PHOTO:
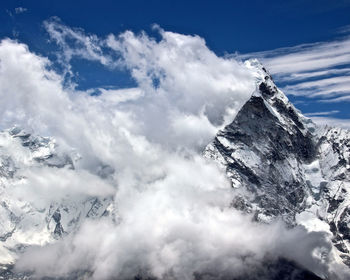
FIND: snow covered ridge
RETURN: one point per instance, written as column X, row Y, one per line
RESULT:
column 169, row 215
column 27, row 221
column 283, row 165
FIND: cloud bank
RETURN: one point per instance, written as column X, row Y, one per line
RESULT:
column 173, row 207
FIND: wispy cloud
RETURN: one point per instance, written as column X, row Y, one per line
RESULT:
column 74, row 43
column 306, row 57
column 345, row 98
column 327, row 113
column 333, row 122
column 344, row 29
column 315, row 74
column 323, row 88
column 318, row 70
column 20, row 10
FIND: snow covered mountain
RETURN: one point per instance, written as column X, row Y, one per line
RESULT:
column 24, row 222
column 282, row 165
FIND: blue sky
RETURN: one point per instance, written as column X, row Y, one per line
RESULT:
column 247, row 28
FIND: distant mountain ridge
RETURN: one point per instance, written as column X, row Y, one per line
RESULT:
column 23, row 223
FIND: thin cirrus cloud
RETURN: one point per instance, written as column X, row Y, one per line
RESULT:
column 20, row 10
column 327, row 113
column 345, row 29
column 318, row 70
column 330, row 121
column 326, row 118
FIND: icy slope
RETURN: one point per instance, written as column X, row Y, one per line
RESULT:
column 25, row 221
column 282, row 165
column 279, row 162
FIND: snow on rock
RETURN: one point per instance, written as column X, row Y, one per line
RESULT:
column 22, row 222
column 283, row 165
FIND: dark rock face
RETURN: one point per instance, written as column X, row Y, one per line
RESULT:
column 283, row 165
column 256, row 129
column 7, row 273
column 58, row 228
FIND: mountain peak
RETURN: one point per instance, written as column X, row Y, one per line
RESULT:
column 265, row 85
column 282, row 165
column 275, row 101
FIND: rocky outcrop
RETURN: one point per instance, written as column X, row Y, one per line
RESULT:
column 283, row 165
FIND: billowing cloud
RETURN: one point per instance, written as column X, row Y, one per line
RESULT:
column 180, row 78
column 173, row 207
column 219, row 244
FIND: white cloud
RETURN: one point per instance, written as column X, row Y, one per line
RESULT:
column 332, row 122
column 20, row 10
column 178, row 76
column 174, row 207
column 327, row 87
column 41, row 181
column 312, row 70
column 327, row 113
column 326, row 119
column 315, row 74
column 119, row 95
column 344, row 30
column 219, row 243
column 308, row 57
column 190, row 79
column 75, row 43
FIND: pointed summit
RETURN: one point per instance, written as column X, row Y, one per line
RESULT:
column 282, row 165
column 275, row 100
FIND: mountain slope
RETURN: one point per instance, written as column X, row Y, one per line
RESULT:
column 25, row 221
column 283, row 165
column 279, row 162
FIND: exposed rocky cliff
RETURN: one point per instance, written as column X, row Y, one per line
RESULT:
column 283, row 165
